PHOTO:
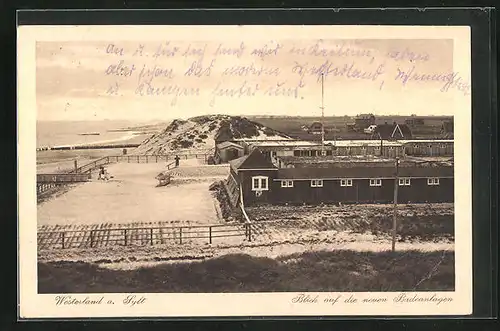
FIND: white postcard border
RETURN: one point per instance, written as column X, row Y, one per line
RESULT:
column 34, row 305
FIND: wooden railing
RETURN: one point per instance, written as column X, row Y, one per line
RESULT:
column 136, row 159
column 46, row 182
column 92, row 238
column 248, row 223
column 61, row 178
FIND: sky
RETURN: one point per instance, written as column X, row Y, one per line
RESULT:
column 165, row 79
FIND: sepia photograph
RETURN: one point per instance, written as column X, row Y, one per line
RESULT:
column 311, row 162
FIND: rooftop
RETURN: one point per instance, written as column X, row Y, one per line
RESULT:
column 338, row 143
column 356, row 171
column 226, row 144
column 362, row 160
column 352, row 143
column 333, row 159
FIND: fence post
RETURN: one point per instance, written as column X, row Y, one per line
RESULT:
column 91, row 238
column 138, row 161
column 156, row 158
column 62, row 239
column 210, row 234
column 180, row 235
column 125, row 237
column 128, row 159
column 151, row 235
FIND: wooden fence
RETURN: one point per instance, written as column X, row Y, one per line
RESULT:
column 92, row 238
column 46, row 183
column 136, row 159
column 61, row 178
column 49, row 182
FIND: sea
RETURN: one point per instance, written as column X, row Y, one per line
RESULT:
column 70, row 133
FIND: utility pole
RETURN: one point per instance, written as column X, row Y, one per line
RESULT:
column 395, row 211
column 322, row 116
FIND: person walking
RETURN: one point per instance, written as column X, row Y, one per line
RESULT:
column 101, row 173
column 177, row 159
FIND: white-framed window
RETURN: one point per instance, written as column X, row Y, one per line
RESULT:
column 404, row 181
column 375, row 182
column 432, row 181
column 259, row 183
column 346, row 182
column 287, row 183
column 317, row 183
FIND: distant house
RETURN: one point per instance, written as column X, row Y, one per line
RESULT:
column 227, row 151
column 414, row 121
column 262, row 182
column 363, row 121
column 447, row 129
column 392, row 131
column 315, row 128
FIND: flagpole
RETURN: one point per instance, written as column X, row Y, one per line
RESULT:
column 322, row 115
column 395, row 207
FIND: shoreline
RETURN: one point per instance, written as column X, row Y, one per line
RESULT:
column 131, row 137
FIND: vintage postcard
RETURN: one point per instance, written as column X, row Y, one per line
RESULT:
column 183, row 171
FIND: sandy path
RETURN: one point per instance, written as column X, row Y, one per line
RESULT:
column 117, row 257
column 132, row 196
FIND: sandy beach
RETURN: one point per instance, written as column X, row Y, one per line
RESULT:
column 132, row 196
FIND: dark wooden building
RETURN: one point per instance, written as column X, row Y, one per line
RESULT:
column 447, row 129
column 253, row 174
column 362, row 121
column 420, row 147
column 392, row 131
column 315, row 128
column 263, row 182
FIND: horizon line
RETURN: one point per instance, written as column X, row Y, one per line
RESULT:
column 241, row 115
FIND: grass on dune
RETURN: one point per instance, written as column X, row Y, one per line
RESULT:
column 342, row 270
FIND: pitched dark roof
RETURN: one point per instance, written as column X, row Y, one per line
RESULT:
column 447, row 127
column 236, row 163
column 363, row 172
column 392, row 131
column 315, row 126
column 254, row 160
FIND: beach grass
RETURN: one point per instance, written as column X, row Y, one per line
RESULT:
column 315, row 271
